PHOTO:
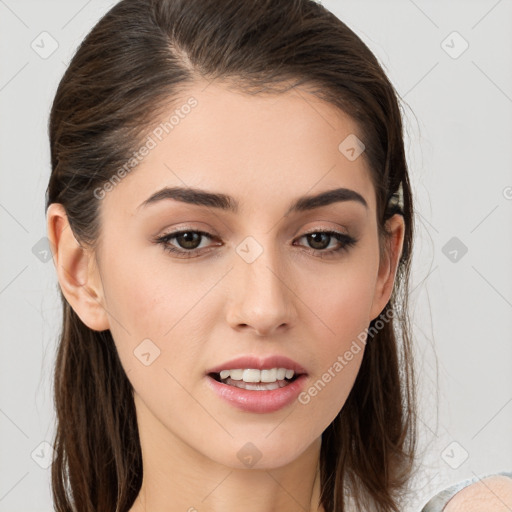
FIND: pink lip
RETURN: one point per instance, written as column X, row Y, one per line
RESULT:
column 259, row 401
column 256, row 363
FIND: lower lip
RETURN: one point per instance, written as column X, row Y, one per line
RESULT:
column 259, row 401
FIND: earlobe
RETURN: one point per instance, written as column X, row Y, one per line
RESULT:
column 78, row 275
column 388, row 264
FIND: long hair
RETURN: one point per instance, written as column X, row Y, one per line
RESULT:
column 130, row 67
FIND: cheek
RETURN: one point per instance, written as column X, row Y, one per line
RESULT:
column 154, row 330
column 154, row 309
column 147, row 296
column 341, row 309
column 342, row 300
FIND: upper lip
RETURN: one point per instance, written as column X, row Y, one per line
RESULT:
column 266, row 363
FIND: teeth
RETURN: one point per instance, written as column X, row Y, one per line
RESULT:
column 252, row 375
column 256, row 386
column 236, row 374
column 270, row 375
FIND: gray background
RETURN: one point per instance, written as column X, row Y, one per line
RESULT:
column 458, row 118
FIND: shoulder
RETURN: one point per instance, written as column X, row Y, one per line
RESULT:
column 491, row 493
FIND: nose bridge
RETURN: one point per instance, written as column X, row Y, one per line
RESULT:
column 261, row 297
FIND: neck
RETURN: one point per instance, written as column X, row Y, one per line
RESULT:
column 177, row 478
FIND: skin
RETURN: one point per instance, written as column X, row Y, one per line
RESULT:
column 265, row 151
column 492, row 493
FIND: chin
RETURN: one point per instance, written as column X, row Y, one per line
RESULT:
column 261, row 453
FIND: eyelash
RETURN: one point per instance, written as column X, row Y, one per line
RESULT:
column 346, row 241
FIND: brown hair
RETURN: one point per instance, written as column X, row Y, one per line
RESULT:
column 133, row 64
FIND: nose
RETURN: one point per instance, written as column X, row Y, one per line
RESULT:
column 261, row 296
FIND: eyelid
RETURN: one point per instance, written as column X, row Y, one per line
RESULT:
column 316, row 229
column 346, row 241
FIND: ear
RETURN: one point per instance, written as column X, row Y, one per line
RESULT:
column 388, row 265
column 77, row 271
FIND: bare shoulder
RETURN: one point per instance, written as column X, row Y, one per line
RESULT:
column 491, row 494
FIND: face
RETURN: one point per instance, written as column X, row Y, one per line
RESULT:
column 256, row 279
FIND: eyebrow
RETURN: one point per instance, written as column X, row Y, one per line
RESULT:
column 225, row 202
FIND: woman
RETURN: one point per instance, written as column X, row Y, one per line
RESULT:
column 234, row 277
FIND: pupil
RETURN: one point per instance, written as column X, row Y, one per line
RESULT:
column 186, row 243
column 315, row 237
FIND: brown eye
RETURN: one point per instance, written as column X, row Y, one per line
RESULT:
column 319, row 242
column 189, row 239
column 187, row 242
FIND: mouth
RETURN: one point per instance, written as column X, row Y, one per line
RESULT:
column 254, row 386
column 248, row 373
column 263, row 393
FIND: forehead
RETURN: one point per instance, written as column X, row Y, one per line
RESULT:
column 261, row 149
